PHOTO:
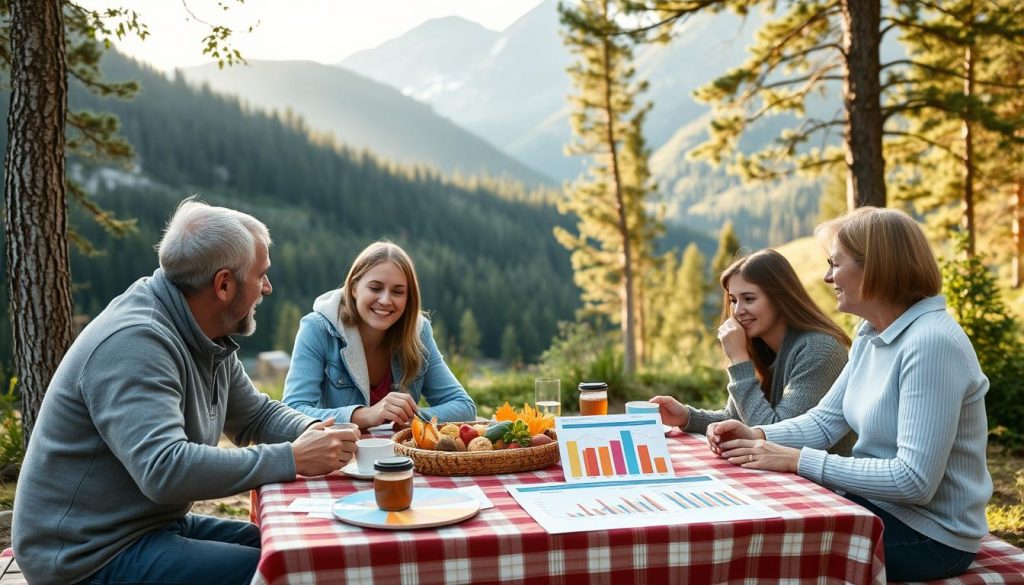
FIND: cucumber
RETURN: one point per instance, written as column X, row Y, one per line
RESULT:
column 498, row 431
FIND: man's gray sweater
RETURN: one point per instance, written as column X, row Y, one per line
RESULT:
column 126, row 437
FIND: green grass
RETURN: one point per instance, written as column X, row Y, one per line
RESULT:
column 7, row 494
column 1005, row 510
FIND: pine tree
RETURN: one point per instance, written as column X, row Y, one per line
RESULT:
column 691, row 329
column 956, row 142
column 47, row 41
column 469, row 336
column 728, row 248
column 614, row 229
column 814, row 44
column 510, row 352
column 975, row 301
column 286, row 326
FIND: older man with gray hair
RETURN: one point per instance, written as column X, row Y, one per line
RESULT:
column 126, row 438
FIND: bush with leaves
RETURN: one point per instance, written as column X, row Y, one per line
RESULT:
column 12, row 438
column 973, row 298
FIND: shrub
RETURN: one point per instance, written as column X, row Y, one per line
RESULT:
column 12, row 437
column 974, row 300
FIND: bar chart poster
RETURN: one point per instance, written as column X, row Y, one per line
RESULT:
column 583, row 507
column 614, row 447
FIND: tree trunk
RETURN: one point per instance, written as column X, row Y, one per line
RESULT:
column 1018, row 234
column 38, row 271
column 968, row 202
column 865, row 184
column 628, row 302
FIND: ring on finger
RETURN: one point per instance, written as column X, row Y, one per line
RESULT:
column 751, row 457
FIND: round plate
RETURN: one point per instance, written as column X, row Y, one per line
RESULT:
column 352, row 470
column 430, row 507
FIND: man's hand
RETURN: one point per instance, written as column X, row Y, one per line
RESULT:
column 396, row 407
column 673, row 412
column 320, row 450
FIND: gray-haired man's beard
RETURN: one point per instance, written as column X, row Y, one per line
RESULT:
column 243, row 326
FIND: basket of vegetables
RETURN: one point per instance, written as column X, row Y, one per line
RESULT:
column 517, row 440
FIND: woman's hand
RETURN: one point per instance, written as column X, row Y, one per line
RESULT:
column 734, row 341
column 760, row 454
column 673, row 412
column 728, row 430
column 396, row 407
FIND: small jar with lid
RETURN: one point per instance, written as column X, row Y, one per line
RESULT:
column 593, row 398
column 392, row 483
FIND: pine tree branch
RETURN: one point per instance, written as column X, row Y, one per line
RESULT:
column 927, row 141
column 798, row 95
column 812, row 77
column 946, row 72
column 912, row 25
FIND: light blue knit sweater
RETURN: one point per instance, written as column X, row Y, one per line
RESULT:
column 914, row 394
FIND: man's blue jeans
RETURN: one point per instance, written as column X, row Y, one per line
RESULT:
column 195, row 549
column 912, row 556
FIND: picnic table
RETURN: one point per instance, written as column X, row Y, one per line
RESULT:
column 818, row 536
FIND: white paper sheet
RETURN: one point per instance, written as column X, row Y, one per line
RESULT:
column 613, row 447
column 584, row 507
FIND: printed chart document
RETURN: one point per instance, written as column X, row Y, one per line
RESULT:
column 583, row 507
column 619, row 446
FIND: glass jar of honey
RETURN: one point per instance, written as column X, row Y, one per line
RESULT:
column 593, row 398
column 392, row 483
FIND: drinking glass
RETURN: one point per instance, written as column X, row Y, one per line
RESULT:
column 548, row 396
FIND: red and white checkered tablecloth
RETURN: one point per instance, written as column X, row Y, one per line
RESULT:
column 820, row 537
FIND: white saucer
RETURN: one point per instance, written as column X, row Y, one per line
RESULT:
column 352, row 470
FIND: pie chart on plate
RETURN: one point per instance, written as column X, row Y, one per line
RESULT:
column 430, row 507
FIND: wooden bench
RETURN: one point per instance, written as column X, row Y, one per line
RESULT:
column 10, row 574
column 997, row 563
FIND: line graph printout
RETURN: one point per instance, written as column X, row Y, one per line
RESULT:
column 584, row 507
column 602, row 448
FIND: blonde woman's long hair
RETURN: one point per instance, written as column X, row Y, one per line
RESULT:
column 775, row 276
column 402, row 338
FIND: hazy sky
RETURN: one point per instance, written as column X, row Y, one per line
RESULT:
column 318, row 30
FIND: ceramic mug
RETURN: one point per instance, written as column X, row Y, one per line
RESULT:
column 370, row 450
column 641, row 407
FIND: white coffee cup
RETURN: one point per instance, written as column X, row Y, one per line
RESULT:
column 370, row 450
column 641, row 407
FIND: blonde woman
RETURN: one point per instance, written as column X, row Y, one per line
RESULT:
column 913, row 392
column 367, row 355
column 784, row 353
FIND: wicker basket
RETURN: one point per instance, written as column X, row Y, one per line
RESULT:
column 477, row 462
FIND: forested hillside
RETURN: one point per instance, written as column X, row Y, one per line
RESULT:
column 487, row 249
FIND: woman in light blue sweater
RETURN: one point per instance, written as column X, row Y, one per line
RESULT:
column 912, row 391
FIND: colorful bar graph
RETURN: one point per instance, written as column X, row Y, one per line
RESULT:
column 616, row 458
column 704, row 499
column 646, row 505
column 596, row 450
